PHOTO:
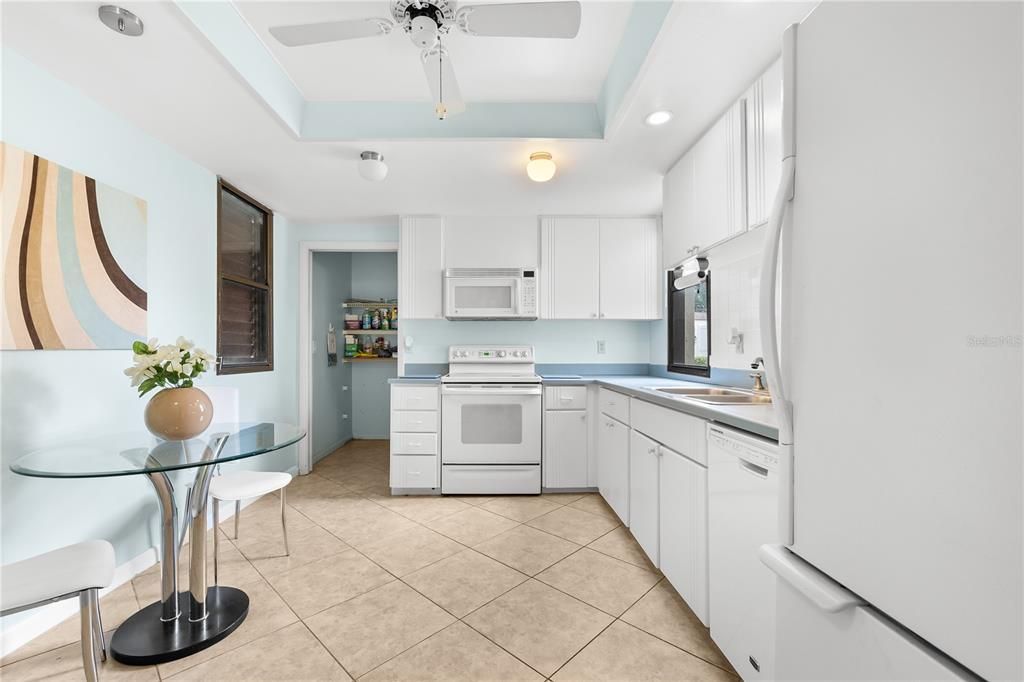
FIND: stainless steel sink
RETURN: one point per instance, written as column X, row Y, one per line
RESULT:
column 716, row 396
column 749, row 399
column 688, row 391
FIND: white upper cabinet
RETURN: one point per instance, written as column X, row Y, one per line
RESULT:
column 490, row 242
column 679, row 213
column 705, row 193
column 630, row 277
column 421, row 266
column 604, row 268
column 569, row 265
column 764, row 143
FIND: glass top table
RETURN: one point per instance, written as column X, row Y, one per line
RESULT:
column 162, row 632
column 129, row 454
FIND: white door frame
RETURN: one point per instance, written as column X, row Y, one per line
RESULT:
column 306, row 251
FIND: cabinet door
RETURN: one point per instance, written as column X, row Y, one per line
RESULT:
column 565, row 449
column 644, row 493
column 720, row 179
column 421, row 266
column 683, row 536
column 679, row 213
column 630, row 272
column 613, row 466
column 570, row 257
column 764, row 143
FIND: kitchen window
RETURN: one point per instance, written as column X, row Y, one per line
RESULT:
column 245, row 283
column 689, row 324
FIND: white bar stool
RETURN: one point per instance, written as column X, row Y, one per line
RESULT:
column 74, row 571
column 242, row 485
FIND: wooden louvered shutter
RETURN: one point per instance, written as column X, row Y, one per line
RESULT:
column 245, row 285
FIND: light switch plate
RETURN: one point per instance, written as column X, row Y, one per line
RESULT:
column 600, row 347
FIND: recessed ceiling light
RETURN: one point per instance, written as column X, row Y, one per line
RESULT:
column 657, row 118
column 540, row 167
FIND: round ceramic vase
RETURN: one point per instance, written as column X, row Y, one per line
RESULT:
column 179, row 413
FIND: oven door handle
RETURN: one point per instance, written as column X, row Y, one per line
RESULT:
column 483, row 390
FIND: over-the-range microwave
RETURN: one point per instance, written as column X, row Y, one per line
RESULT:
column 490, row 294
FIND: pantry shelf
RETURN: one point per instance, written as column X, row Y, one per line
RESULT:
column 367, row 305
column 371, row 332
column 350, row 360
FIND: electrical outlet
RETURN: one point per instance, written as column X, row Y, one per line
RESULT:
column 600, row 347
column 344, row 388
column 344, row 416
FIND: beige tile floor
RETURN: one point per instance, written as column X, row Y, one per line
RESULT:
column 421, row 588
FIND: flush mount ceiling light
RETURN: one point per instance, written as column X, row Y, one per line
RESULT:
column 658, row 118
column 541, row 168
column 120, row 20
column 372, row 166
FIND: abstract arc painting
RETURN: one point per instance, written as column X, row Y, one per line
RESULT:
column 74, row 258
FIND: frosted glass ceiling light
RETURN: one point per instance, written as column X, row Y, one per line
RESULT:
column 372, row 166
column 657, row 118
column 541, row 168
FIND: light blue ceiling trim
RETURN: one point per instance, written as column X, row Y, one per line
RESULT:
column 644, row 24
column 232, row 36
column 416, row 120
column 228, row 32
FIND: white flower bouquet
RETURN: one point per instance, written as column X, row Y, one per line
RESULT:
column 175, row 365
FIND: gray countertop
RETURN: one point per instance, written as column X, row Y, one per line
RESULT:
column 757, row 419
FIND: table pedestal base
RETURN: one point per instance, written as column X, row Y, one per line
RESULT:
column 144, row 639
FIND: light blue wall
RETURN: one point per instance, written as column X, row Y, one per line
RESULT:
column 51, row 396
column 555, row 341
column 331, row 284
column 374, row 276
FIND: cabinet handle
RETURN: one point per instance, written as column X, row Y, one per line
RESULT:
column 602, row 314
column 652, row 451
column 593, row 314
column 583, row 417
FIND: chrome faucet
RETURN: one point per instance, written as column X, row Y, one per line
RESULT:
column 757, row 376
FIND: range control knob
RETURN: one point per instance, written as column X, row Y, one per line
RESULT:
column 501, row 353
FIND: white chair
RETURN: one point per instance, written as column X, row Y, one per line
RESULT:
column 242, row 485
column 74, row 571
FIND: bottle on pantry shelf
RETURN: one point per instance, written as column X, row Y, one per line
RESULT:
column 385, row 318
column 375, row 320
column 367, row 320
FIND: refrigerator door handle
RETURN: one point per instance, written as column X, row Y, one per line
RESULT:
column 818, row 588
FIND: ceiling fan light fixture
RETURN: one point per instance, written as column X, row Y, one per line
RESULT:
column 658, row 118
column 372, row 166
column 541, row 168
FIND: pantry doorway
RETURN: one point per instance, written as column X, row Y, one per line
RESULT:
column 343, row 387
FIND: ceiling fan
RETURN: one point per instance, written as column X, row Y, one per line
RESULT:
column 428, row 21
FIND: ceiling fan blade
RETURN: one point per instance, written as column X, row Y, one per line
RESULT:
column 439, row 71
column 522, row 20
column 330, row 31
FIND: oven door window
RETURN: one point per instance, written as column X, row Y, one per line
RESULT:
column 497, row 424
column 689, row 326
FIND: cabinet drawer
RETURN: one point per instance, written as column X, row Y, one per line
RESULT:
column 614, row 404
column 418, row 471
column 675, row 430
column 565, row 398
column 418, row 421
column 413, row 444
column 414, row 397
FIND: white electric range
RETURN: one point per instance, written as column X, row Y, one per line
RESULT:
column 491, row 422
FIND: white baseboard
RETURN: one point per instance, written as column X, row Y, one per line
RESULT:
column 41, row 620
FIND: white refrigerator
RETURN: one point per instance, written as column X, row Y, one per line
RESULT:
column 899, row 385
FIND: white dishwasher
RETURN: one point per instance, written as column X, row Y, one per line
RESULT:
column 743, row 491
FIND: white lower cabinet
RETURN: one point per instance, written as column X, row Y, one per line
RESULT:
column 565, row 448
column 415, row 460
column 613, row 465
column 644, row 493
column 683, row 535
